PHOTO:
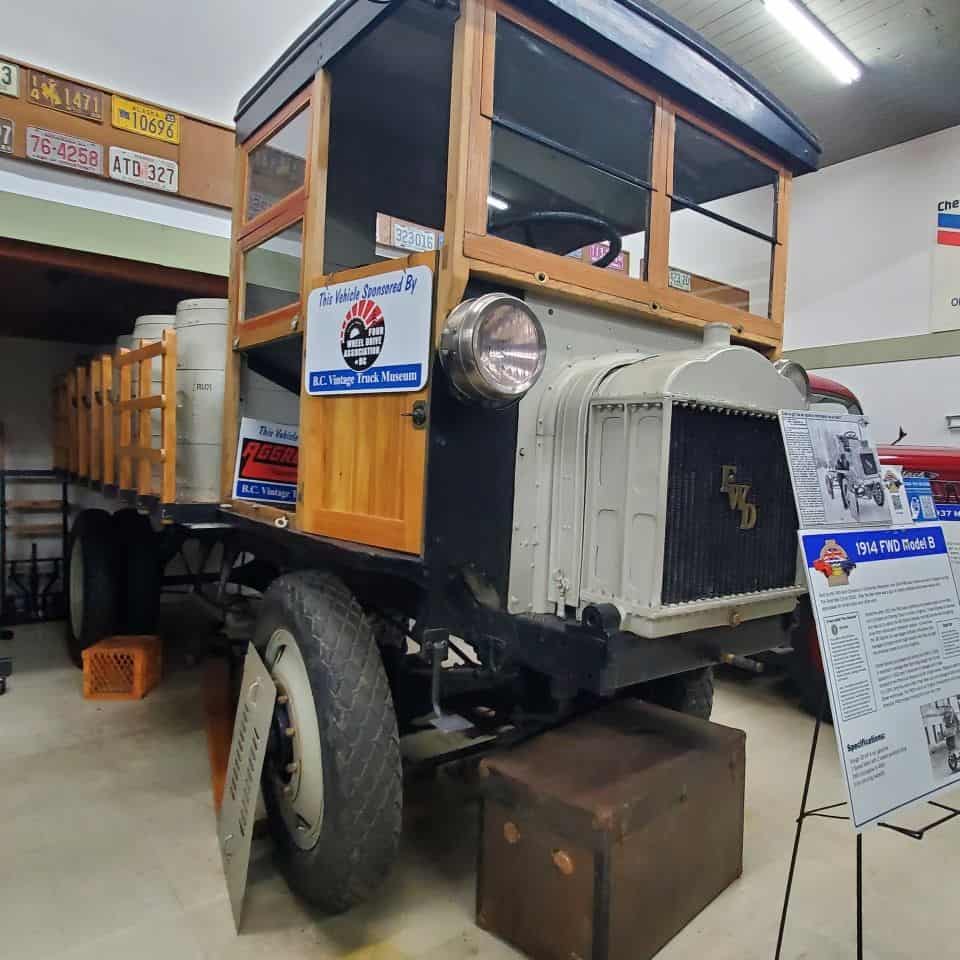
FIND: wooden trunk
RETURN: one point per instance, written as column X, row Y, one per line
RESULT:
column 602, row 839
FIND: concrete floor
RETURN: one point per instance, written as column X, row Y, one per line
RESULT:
column 108, row 845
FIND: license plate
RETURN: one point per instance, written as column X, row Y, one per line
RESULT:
column 148, row 121
column 48, row 146
column 409, row 236
column 6, row 135
column 66, row 96
column 9, row 79
column 679, row 280
column 144, row 170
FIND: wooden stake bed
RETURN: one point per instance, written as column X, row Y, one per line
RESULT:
column 103, row 433
column 604, row 838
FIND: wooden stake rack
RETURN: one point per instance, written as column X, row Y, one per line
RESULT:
column 103, row 432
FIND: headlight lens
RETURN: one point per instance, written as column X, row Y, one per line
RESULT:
column 795, row 373
column 493, row 349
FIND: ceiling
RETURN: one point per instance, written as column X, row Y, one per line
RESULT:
column 910, row 51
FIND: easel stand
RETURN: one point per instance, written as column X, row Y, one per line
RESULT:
column 827, row 815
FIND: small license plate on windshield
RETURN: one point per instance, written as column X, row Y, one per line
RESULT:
column 47, row 146
column 145, row 170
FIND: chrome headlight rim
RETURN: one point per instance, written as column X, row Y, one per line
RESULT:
column 460, row 351
column 797, row 375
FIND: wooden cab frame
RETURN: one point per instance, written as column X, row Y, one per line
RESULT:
column 329, row 458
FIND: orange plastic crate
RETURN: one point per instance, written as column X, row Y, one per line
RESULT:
column 122, row 668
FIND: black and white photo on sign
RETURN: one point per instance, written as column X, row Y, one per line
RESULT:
column 849, row 471
column 941, row 723
column 836, row 470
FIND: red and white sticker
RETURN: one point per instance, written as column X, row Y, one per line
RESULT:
column 47, row 146
column 145, row 170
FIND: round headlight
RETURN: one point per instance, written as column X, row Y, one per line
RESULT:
column 795, row 373
column 493, row 349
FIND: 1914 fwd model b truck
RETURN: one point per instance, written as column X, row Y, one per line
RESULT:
column 539, row 457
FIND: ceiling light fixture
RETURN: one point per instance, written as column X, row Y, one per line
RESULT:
column 496, row 202
column 818, row 40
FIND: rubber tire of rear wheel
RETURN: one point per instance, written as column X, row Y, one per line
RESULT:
column 362, row 779
column 806, row 675
column 140, row 573
column 690, row 693
column 95, row 530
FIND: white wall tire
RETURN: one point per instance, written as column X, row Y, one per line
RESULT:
column 336, row 815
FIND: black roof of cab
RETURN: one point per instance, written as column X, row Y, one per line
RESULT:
column 635, row 34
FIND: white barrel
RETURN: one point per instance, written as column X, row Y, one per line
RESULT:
column 201, row 327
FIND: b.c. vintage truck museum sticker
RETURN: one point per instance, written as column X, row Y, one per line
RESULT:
column 370, row 335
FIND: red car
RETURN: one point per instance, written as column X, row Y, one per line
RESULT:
column 941, row 465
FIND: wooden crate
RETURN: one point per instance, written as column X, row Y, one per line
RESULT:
column 604, row 838
column 122, row 668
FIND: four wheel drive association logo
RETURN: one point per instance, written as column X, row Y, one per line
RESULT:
column 361, row 335
column 834, row 564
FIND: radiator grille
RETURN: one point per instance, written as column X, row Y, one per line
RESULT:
column 706, row 553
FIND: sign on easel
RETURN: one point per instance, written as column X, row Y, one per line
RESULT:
column 887, row 610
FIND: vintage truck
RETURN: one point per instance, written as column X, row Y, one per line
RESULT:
column 518, row 272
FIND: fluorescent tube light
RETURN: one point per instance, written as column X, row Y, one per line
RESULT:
column 818, row 40
column 496, row 202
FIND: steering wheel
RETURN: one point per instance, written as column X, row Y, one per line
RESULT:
column 547, row 217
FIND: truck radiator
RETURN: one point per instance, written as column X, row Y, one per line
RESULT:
column 707, row 552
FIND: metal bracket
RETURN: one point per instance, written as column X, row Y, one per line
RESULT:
column 251, row 728
column 436, row 644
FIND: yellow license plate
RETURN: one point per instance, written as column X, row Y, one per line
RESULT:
column 146, row 120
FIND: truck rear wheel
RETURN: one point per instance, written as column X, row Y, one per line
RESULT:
column 91, row 582
column 690, row 692
column 332, row 777
column 138, row 549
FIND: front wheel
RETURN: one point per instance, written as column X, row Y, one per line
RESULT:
column 332, row 775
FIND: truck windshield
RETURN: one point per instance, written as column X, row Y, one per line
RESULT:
column 571, row 155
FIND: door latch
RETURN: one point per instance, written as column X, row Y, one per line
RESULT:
column 418, row 415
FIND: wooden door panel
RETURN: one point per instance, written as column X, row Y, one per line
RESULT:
column 362, row 462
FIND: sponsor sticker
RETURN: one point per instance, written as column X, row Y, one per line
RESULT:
column 370, row 335
column 267, row 459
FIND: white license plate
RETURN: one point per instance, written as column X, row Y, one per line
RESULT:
column 6, row 135
column 409, row 237
column 9, row 79
column 144, row 170
column 64, row 151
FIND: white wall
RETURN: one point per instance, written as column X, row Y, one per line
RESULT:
column 915, row 394
column 196, row 57
column 861, row 243
column 27, row 369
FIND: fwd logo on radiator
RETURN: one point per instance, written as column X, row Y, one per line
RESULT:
column 737, row 494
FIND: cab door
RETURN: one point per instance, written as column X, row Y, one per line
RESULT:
column 363, row 454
